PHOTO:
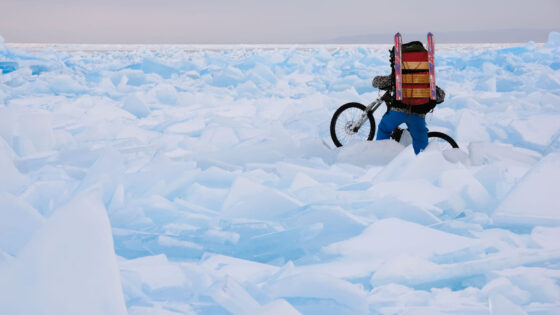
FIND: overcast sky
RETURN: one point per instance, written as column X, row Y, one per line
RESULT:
column 264, row 21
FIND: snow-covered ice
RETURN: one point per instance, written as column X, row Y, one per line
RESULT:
column 165, row 180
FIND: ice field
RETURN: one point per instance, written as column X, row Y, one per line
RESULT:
column 204, row 181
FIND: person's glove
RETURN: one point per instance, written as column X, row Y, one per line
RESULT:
column 382, row 82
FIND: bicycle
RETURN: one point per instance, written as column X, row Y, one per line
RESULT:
column 355, row 121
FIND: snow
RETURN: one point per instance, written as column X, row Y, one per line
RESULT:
column 203, row 180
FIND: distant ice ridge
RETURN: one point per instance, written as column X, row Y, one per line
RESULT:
column 165, row 181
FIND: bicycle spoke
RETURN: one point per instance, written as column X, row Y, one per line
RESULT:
column 343, row 121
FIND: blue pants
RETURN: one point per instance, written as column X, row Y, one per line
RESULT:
column 416, row 126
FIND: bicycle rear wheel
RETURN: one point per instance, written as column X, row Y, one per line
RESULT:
column 444, row 141
column 342, row 121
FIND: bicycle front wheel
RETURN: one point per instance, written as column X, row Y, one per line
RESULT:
column 342, row 132
column 444, row 141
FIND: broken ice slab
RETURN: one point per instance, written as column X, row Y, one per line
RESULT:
column 19, row 221
column 399, row 237
column 8, row 66
column 248, row 199
column 534, row 200
column 318, row 293
column 415, row 271
column 240, row 269
column 71, row 256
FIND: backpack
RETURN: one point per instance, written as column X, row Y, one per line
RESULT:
column 415, row 79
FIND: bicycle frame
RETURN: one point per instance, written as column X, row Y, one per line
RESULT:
column 350, row 124
column 372, row 107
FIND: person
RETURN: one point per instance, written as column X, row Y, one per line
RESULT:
column 411, row 111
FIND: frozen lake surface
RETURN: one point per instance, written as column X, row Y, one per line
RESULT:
column 176, row 179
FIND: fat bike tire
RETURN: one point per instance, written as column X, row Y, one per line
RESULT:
column 442, row 136
column 344, row 117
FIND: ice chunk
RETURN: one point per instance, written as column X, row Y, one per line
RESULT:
column 222, row 237
column 262, row 73
column 501, row 305
column 7, row 125
column 486, row 84
column 167, row 94
column 548, row 82
column 392, row 206
column 349, row 298
column 366, row 153
column 216, row 177
column 471, row 127
column 69, row 267
column 136, row 107
column 288, row 171
column 230, row 76
column 190, row 127
column 248, row 199
column 279, row 245
column 211, row 198
column 34, row 133
column 336, row 224
column 484, row 152
column 546, row 236
column 415, row 270
column 539, row 282
column 405, row 269
column 155, row 281
column 65, row 84
column 128, row 77
column 18, row 222
column 107, row 172
column 502, row 286
column 221, row 137
column 538, row 130
column 63, row 139
column 393, row 297
column 11, row 180
column 173, row 242
column 153, row 66
column 239, row 269
column 7, row 66
column 38, row 69
column 533, row 201
column 464, row 183
column 399, row 237
column 414, row 200
column 428, row 165
column 233, row 297
column 155, row 272
column 46, row 195
column 301, row 180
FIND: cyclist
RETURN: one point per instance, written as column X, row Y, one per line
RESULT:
column 412, row 112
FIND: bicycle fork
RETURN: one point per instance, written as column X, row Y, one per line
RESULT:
column 372, row 107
